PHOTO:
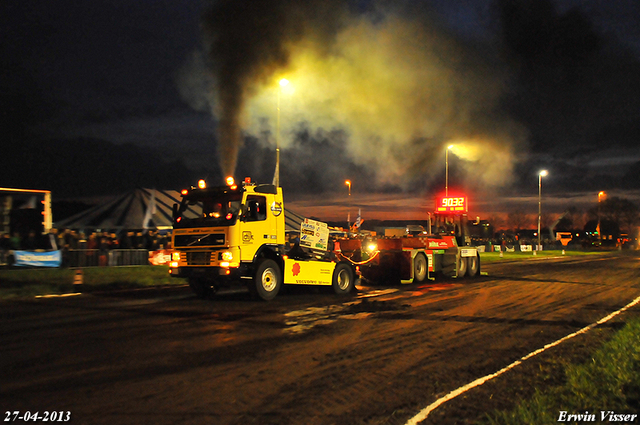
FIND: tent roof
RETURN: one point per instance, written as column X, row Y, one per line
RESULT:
column 126, row 211
column 129, row 211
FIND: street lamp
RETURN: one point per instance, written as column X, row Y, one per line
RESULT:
column 601, row 195
column 348, row 183
column 276, row 178
column 541, row 174
column 446, row 170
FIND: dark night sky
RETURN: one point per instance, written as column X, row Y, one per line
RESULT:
column 97, row 76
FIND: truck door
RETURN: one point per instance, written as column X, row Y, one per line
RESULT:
column 256, row 229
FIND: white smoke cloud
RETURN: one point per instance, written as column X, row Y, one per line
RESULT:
column 401, row 91
column 401, row 88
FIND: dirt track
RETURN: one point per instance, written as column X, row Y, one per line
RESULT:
column 308, row 357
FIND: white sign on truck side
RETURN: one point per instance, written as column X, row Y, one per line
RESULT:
column 314, row 234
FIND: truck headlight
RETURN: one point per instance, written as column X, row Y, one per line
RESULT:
column 175, row 256
column 372, row 247
column 227, row 256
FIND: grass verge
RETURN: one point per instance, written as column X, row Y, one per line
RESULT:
column 16, row 283
column 609, row 381
column 495, row 256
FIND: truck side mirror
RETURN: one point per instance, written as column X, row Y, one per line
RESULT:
column 242, row 213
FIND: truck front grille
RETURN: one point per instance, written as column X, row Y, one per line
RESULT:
column 211, row 239
column 198, row 258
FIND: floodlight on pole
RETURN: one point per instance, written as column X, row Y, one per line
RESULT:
column 541, row 174
column 348, row 183
column 446, row 170
column 601, row 195
column 276, row 178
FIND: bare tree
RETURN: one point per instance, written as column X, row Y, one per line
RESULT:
column 518, row 220
column 497, row 222
column 621, row 211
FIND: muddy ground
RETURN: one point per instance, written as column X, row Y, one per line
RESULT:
column 308, row 357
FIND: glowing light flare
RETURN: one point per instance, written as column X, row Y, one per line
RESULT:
column 230, row 181
column 544, row 173
column 285, row 86
column 202, row 184
column 467, row 150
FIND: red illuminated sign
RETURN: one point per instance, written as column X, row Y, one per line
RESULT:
column 451, row 204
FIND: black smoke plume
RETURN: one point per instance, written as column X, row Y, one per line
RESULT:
column 249, row 42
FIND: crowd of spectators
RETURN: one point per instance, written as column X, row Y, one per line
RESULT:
column 150, row 240
column 94, row 244
column 67, row 239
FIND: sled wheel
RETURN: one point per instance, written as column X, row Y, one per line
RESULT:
column 474, row 266
column 420, row 268
column 462, row 267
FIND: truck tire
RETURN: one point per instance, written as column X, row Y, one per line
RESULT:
column 462, row 267
column 474, row 265
column 420, row 268
column 267, row 280
column 201, row 287
column 343, row 280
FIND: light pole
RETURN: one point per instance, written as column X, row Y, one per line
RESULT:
column 348, row 183
column 601, row 195
column 541, row 174
column 446, row 170
column 276, row 178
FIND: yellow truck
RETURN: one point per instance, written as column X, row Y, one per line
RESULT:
column 236, row 234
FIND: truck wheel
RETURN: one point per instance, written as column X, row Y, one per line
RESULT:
column 343, row 280
column 462, row 266
column 474, row 265
column 267, row 280
column 420, row 268
column 201, row 287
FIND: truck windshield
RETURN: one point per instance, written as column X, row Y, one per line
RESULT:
column 206, row 209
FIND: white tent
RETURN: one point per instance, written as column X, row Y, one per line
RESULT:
column 139, row 209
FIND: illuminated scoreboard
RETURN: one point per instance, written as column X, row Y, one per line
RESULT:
column 451, row 204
